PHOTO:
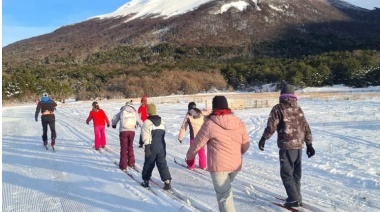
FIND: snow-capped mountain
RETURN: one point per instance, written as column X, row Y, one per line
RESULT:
column 226, row 23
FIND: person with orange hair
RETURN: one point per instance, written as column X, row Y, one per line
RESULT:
column 143, row 113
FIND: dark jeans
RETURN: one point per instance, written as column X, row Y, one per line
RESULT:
column 48, row 120
column 127, row 156
column 291, row 172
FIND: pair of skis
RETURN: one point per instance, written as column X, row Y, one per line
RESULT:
column 47, row 147
column 182, row 163
column 174, row 193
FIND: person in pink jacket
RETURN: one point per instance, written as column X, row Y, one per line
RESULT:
column 227, row 140
column 194, row 120
column 100, row 119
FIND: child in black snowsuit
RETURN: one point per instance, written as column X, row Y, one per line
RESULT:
column 153, row 136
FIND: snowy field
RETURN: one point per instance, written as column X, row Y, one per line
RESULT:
column 344, row 175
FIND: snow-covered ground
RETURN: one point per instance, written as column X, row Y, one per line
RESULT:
column 344, row 175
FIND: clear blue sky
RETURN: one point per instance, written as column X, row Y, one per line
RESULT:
column 29, row 18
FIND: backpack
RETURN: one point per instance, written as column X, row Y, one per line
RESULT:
column 128, row 119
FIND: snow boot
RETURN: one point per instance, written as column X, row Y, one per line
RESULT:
column 292, row 204
column 167, row 185
column 145, row 184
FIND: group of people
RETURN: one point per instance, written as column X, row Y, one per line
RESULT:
column 225, row 136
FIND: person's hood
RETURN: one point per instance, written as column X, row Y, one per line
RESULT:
column 155, row 119
column 228, row 122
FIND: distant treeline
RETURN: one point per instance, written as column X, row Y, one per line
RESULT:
column 163, row 70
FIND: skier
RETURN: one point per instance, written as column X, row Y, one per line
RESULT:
column 288, row 119
column 128, row 118
column 99, row 118
column 153, row 135
column 46, row 106
column 142, row 110
column 194, row 119
column 227, row 140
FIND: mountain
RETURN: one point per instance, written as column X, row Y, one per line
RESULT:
column 223, row 23
column 163, row 47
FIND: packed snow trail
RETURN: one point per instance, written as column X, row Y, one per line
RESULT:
column 342, row 176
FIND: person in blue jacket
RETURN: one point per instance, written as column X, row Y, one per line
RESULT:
column 47, row 107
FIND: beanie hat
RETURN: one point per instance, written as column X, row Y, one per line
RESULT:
column 45, row 94
column 219, row 102
column 129, row 102
column 191, row 105
column 152, row 109
column 143, row 99
column 287, row 89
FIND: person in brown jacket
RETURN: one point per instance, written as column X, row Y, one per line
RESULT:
column 194, row 120
column 227, row 140
column 288, row 119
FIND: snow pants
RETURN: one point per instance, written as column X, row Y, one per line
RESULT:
column 48, row 120
column 223, row 187
column 291, row 171
column 201, row 157
column 156, row 158
column 100, row 136
column 127, row 156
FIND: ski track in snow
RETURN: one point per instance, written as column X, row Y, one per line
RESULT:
column 342, row 176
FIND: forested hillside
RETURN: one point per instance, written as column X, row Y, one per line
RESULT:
column 307, row 43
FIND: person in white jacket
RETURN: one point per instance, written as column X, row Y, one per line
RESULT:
column 129, row 119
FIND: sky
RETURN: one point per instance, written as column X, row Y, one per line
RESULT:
column 343, row 175
column 37, row 17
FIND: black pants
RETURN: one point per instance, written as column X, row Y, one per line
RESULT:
column 291, row 172
column 150, row 162
column 48, row 120
column 141, row 143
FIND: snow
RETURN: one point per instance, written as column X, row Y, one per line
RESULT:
column 344, row 175
column 145, row 8
column 170, row 8
column 240, row 5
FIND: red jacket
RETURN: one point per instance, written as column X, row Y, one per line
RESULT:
column 143, row 111
column 99, row 118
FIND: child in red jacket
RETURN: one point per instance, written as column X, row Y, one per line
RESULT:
column 100, row 119
column 143, row 113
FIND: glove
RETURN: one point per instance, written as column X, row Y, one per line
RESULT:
column 190, row 163
column 310, row 150
column 108, row 125
column 262, row 143
column 147, row 151
column 114, row 126
column 36, row 119
column 180, row 141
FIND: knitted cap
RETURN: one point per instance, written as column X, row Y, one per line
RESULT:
column 144, row 99
column 219, row 102
column 45, row 94
column 191, row 105
column 287, row 89
column 129, row 102
column 152, row 109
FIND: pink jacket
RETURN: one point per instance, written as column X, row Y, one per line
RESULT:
column 227, row 140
